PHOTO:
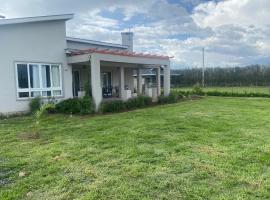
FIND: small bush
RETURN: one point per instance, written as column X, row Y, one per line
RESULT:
column 132, row 103
column 112, row 106
column 183, row 93
column 68, row 106
column 172, row 98
column 75, row 106
column 35, row 104
column 86, row 105
column 197, row 90
column 144, row 101
column 138, row 102
column 50, row 108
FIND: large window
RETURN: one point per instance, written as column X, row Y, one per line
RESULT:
column 38, row 80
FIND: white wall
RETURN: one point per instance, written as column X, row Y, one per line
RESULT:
column 30, row 42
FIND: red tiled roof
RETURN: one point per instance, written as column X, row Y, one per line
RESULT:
column 116, row 52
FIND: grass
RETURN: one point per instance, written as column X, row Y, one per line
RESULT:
column 214, row 148
column 264, row 90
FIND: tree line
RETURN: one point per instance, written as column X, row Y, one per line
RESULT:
column 252, row 75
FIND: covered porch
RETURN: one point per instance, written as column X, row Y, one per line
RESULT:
column 110, row 75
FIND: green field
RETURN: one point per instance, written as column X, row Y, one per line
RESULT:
column 264, row 90
column 213, row 148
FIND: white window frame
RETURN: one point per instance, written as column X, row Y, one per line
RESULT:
column 41, row 88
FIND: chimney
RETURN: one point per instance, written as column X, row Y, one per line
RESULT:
column 127, row 40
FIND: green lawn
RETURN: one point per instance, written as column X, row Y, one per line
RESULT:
column 214, row 148
column 264, row 90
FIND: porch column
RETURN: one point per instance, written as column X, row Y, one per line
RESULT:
column 95, row 81
column 167, row 80
column 158, row 81
column 122, row 82
column 139, row 81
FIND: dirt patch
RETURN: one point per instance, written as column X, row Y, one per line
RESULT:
column 29, row 136
column 195, row 97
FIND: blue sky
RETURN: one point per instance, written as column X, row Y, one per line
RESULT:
column 233, row 32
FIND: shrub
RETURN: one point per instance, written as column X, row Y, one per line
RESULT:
column 35, row 104
column 75, row 106
column 233, row 94
column 112, row 106
column 172, row 98
column 144, row 101
column 86, row 105
column 132, row 103
column 138, row 102
column 68, row 106
column 183, row 93
column 50, row 108
column 197, row 90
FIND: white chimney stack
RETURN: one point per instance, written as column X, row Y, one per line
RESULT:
column 127, row 40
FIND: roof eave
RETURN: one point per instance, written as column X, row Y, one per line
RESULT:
column 64, row 17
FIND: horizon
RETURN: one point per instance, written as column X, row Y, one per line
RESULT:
column 233, row 33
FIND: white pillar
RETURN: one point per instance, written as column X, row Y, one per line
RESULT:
column 95, row 82
column 122, row 81
column 167, row 80
column 139, row 81
column 158, row 81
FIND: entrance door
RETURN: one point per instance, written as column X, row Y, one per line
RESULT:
column 76, row 83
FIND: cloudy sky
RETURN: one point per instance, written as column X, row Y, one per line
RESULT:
column 233, row 32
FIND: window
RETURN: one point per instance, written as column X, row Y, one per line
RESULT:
column 38, row 80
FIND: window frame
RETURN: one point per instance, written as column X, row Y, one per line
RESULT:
column 41, row 89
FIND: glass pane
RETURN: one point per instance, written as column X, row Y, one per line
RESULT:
column 57, row 93
column 23, row 94
column 46, row 93
column 22, row 76
column 55, row 76
column 46, row 78
column 109, row 79
column 35, row 94
column 34, row 76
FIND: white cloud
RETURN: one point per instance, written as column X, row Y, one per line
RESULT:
column 238, row 12
column 233, row 31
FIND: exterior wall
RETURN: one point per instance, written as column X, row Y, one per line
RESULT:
column 43, row 42
column 80, row 45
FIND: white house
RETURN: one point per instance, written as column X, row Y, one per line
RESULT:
column 38, row 59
